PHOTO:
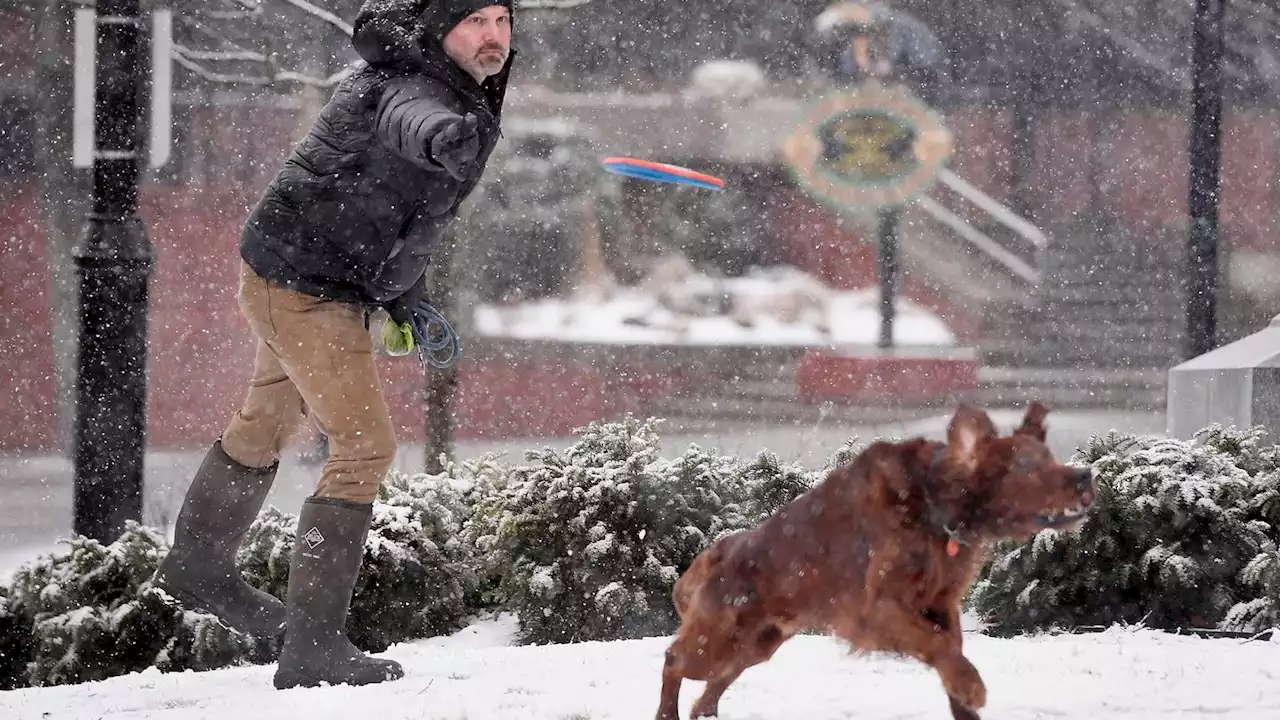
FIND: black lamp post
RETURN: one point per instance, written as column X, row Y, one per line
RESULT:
column 113, row 264
column 1206, row 180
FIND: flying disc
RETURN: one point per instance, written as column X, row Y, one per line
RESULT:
column 661, row 172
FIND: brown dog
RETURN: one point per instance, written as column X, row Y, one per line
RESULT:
column 879, row 554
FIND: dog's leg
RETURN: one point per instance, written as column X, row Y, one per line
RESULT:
column 672, row 677
column 763, row 644
column 708, row 704
column 695, row 654
column 960, row 712
column 937, row 645
column 965, row 688
column 963, row 684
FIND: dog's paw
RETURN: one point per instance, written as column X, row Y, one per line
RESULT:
column 704, row 710
column 960, row 712
column 964, row 684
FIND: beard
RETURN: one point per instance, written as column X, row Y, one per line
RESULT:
column 491, row 55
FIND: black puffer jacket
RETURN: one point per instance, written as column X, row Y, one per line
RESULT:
column 359, row 206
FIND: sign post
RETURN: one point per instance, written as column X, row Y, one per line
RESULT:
column 873, row 148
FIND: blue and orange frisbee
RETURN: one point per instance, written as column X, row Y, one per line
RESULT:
column 661, row 172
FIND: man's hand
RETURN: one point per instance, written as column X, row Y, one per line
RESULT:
column 456, row 146
column 419, row 319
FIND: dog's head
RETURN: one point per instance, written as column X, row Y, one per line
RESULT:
column 1012, row 487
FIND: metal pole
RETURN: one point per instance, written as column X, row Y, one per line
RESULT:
column 441, row 384
column 113, row 263
column 887, row 262
column 1206, row 180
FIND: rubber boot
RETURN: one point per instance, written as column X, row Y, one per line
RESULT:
column 200, row 570
column 327, row 555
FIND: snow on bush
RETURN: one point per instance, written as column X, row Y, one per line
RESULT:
column 16, row 642
column 89, row 613
column 1182, row 534
column 585, row 544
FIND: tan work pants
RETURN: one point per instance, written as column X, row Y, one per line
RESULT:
column 314, row 357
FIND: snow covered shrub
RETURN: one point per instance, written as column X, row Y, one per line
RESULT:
column 90, row 613
column 1182, row 533
column 770, row 484
column 1262, row 577
column 417, row 578
column 16, row 642
column 585, row 544
column 846, row 454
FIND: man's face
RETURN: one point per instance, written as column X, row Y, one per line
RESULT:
column 481, row 42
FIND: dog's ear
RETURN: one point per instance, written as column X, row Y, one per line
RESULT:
column 1033, row 421
column 967, row 436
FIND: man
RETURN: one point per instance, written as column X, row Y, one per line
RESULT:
column 347, row 226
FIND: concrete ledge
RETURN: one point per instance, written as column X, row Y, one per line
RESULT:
column 902, row 376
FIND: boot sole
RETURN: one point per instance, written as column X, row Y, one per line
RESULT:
column 288, row 679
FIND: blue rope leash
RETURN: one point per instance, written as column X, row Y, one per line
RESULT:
column 449, row 339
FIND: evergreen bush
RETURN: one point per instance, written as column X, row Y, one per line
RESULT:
column 1182, row 534
column 89, row 613
column 585, row 544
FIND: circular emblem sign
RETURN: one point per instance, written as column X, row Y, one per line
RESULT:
column 871, row 148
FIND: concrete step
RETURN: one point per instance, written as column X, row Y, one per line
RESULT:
column 1073, row 331
column 1121, row 285
column 1084, row 353
column 1126, row 257
column 1155, row 333
column 1077, row 355
column 1118, row 295
column 1104, row 272
column 1079, row 377
column 1136, row 259
column 1068, row 397
column 1115, row 243
column 1080, row 388
column 1143, row 313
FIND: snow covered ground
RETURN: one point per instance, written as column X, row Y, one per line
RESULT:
column 477, row 675
column 774, row 306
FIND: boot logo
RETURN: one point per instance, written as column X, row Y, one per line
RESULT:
column 313, row 538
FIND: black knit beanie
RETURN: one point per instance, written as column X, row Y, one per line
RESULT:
column 440, row 16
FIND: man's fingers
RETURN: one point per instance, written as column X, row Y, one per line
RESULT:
column 457, row 171
column 461, row 130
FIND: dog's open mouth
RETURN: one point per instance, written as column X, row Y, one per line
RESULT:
column 1064, row 516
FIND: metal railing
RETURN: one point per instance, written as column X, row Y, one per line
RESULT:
column 1026, row 265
